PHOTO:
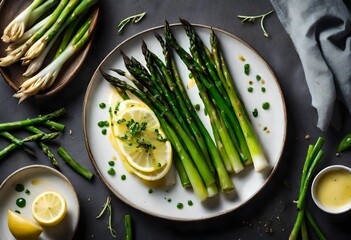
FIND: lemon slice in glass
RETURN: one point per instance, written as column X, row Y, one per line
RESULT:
column 141, row 141
column 49, row 208
column 23, row 228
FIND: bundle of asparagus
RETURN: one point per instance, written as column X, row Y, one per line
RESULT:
column 31, row 40
column 200, row 160
column 41, row 138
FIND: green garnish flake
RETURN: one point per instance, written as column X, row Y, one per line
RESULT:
column 197, row 107
column 102, row 105
column 111, row 163
column 19, row 187
column 103, row 124
column 263, row 89
column 111, row 172
column 169, row 199
column 190, row 75
column 132, row 19
column 17, row 211
column 255, row 112
column 180, row 205
column 161, row 138
column 125, row 137
column 150, row 191
column 265, row 105
column 258, row 77
column 104, row 131
column 123, row 177
column 250, row 89
column 190, row 203
column 21, row 202
column 27, row 192
column 247, row 69
column 159, row 165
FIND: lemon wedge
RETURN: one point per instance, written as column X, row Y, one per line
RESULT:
column 142, row 142
column 49, row 208
column 23, row 228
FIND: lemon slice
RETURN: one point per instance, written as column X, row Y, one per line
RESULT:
column 150, row 176
column 141, row 140
column 130, row 103
column 49, row 208
column 23, row 228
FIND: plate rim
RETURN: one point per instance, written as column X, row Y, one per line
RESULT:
column 122, row 198
column 54, row 171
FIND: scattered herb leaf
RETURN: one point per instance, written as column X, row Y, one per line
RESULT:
column 107, row 206
column 132, row 19
column 253, row 18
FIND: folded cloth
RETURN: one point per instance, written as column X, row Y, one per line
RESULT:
column 321, row 33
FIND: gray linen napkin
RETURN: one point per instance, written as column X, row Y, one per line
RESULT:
column 321, row 33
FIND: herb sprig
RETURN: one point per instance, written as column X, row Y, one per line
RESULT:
column 107, row 206
column 253, row 18
column 132, row 19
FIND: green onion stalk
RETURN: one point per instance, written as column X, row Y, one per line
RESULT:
column 54, row 30
column 17, row 53
column 64, row 14
column 17, row 26
column 27, row 35
column 69, row 14
column 46, row 77
column 176, row 135
column 41, row 10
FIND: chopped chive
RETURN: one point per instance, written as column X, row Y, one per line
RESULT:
column 197, row 107
column 247, row 69
column 102, row 105
column 255, row 112
column 250, row 89
column 111, row 171
column 265, row 105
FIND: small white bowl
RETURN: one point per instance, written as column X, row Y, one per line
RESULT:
column 37, row 179
column 314, row 186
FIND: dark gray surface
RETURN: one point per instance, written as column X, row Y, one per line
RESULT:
column 271, row 208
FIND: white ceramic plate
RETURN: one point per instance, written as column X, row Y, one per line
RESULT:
column 37, row 179
column 247, row 183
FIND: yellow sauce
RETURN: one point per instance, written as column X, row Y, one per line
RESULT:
column 334, row 189
column 191, row 83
